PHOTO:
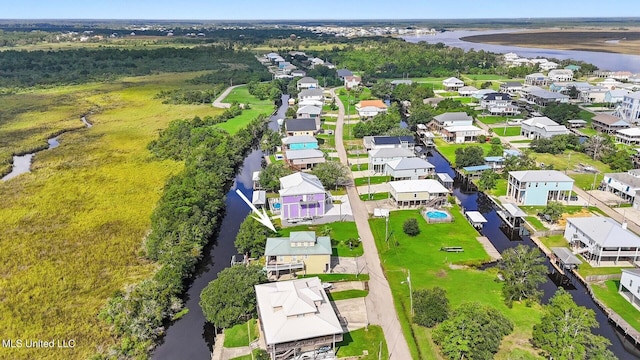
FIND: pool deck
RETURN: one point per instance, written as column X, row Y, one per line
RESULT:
column 489, row 248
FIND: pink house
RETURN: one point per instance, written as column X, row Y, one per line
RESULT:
column 302, row 195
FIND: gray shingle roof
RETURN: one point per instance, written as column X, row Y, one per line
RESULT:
column 300, row 125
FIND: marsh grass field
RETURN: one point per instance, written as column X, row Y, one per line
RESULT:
column 73, row 228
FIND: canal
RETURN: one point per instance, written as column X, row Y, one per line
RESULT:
column 191, row 336
column 474, row 200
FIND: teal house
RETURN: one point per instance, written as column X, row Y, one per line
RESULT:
column 302, row 142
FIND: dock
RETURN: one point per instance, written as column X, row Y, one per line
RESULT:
column 475, row 218
column 489, row 248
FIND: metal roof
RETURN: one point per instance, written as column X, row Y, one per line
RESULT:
column 410, row 164
column 605, row 231
column 476, row 217
column 566, row 256
column 426, row 185
column 476, row 168
column 540, row 175
column 300, row 125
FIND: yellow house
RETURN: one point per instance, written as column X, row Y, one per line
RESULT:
column 417, row 192
column 302, row 251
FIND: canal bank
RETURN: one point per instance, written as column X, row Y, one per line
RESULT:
column 191, row 337
column 471, row 199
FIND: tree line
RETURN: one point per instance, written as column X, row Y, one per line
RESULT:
column 185, row 219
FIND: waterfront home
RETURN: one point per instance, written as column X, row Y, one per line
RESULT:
column 549, row 65
column 541, row 127
column 452, row 84
column 378, row 158
column 409, row 169
column 629, row 136
column 447, row 119
column 461, row 134
column 494, row 162
column 301, row 250
column 304, row 159
column 609, row 124
column 537, row 187
column 301, row 142
column 296, row 316
column 624, row 184
column 629, row 286
column 610, row 83
column 307, row 83
column 615, row 96
column 314, row 96
column 310, row 112
column 351, row 82
column 381, row 142
column 510, row 87
column 601, row 239
column 370, row 108
column 499, row 104
column 467, row 91
column 412, row 193
column 302, row 195
column 560, row 75
column 536, row 79
column 301, row 127
column 629, row 108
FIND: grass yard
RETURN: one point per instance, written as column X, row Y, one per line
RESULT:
column 374, row 196
column 607, row 292
column 430, row 267
column 536, row 223
column 340, row 231
column 347, row 294
column 507, row 131
column 449, row 150
column 241, row 334
column 492, row 119
column 257, row 107
column 588, row 131
column 350, row 102
column 373, row 179
column 500, row 189
column 85, row 207
column 248, row 357
column 520, row 141
column 570, row 160
column 370, row 339
column 586, row 115
column 359, row 167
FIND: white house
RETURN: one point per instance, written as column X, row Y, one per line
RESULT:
column 467, row 91
column 452, row 84
column 630, row 286
column 380, row 142
column 442, row 121
column 313, row 96
column 549, row 65
column 629, row 136
column 542, row 127
column 409, row 169
column 623, row 184
column 427, row 192
column 536, row 79
column 379, row 158
column 510, row 87
column 352, row 81
column 370, row 108
column 307, row 83
column 615, row 96
column 560, row 75
column 296, row 315
column 461, row 134
column 309, row 111
column 629, row 109
column 601, row 239
column 499, row 104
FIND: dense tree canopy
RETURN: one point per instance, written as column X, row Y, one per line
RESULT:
column 561, row 112
column 332, row 174
column 378, row 125
column 270, row 176
column 564, row 331
column 473, row 331
column 431, row 306
column 469, row 156
column 230, row 298
column 252, row 237
column 524, row 271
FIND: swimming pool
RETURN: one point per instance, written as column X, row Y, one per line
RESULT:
column 437, row 214
column 276, row 206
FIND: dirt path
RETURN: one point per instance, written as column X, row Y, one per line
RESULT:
column 379, row 302
column 218, row 101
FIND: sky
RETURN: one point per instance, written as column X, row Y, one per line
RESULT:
column 308, row 10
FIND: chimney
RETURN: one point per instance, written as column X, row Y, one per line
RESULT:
column 624, row 225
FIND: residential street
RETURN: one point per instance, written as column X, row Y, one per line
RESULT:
column 379, row 302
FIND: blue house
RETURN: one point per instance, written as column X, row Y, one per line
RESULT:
column 302, row 142
column 537, row 187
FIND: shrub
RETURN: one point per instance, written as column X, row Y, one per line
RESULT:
column 410, row 227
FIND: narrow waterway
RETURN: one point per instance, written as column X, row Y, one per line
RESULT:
column 191, row 336
column 473, row 200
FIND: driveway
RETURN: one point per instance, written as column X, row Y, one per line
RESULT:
column 348, row 265
column 354, row 311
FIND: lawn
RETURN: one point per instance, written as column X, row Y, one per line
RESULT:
column 586, row 115
column 347, row 294
column 520, row 141
column 359, row 167
column 241, row 334
column 374, row 196
column 588, row 131
column 370, row 339
column 73, row 228
column 349, row 101
column 570, row 160
column 340, row 231
column 449, row 150
column 507, row 131
column 500, row 189
column 535, row 223
column 371, row 180
column 492, row 119
column 430, row 267
column 607, row 292
column 257, row 107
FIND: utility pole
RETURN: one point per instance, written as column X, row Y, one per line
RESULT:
column 410, row 289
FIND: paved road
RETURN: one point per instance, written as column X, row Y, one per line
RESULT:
column 379, row 302
column 218, row 101
column 607, row 210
